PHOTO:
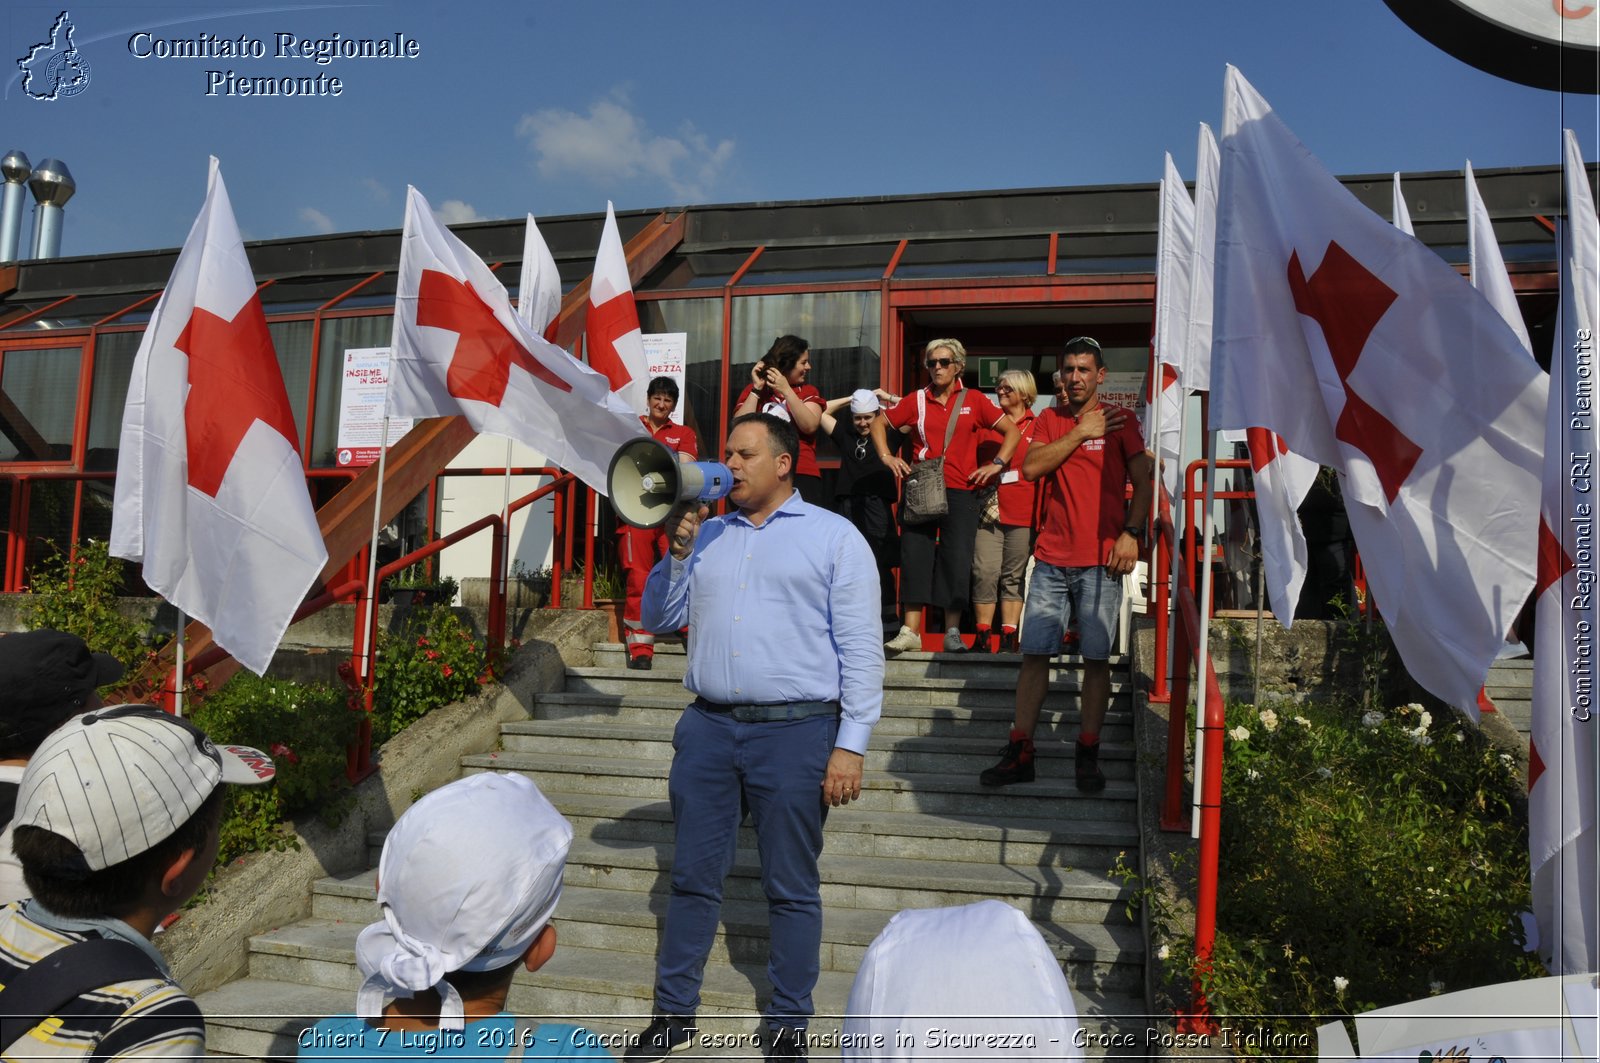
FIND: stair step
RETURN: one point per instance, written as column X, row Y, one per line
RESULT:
column 943, row 793
column 894, row 754
column 899, row 718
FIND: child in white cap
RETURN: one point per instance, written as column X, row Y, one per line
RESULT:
column 953, row 984
column 467, row 883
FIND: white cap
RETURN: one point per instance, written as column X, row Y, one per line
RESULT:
column 468, row 876
column 118, row 781
column 863, row 400
column 950, row 980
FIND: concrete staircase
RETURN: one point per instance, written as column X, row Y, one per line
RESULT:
column 925, row 833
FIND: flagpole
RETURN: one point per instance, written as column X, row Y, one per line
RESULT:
column 372, row 551
column 505, row 527
column 1179, row 522
column 1205, row 631
column 177, row 668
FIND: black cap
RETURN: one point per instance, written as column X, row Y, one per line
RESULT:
column 47, row 677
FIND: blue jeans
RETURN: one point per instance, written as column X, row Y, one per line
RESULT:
column 720, row 768
column 1055, row 593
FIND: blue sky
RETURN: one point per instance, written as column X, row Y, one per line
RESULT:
column 554, row 108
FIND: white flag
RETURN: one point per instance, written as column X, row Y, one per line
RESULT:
column 539, row 293
column 611, row 339
column 1367, row 353
column 459, row 349
column 1174, row 259
column 1488, row 269
column 1197, row 367
column 210, row 492
column 1402, row 215
column 1562, row 762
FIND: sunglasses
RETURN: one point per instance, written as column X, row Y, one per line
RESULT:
column 1090, row 340
column 939, row 363
column 1004, row 389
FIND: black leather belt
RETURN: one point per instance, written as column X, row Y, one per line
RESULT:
column 770, row 713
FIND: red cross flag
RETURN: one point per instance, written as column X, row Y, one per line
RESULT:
column 1367, row 353
column 611, row 337
column 1562, row 760
column 1281, row 482
column 211, row 493
column 459, row 349
column 1487, row 267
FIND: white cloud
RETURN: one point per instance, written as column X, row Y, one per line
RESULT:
column 612, row 143
column 376, row 189
column 454, row 212
column 318, row 221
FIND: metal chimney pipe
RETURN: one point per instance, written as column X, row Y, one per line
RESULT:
column 52, row 186
column 16, row 168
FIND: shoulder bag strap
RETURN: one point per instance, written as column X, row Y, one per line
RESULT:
column 66, row 974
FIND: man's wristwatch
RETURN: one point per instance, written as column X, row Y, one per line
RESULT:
column 1135, row 530
column 998, row 461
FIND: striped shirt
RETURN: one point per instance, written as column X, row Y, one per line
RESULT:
column 145, row 1018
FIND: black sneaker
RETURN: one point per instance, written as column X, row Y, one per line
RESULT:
column 1091, row 780
column 665, row 1035
column 1013, row 766
column 784, row 1043
column 640, row 662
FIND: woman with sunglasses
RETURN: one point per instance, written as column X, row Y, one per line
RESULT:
column 1000, row 557
column 778, row 386
column 936, row 556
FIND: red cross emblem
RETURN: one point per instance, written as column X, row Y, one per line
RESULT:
column 485, row 351
column 1265, row 447
column 1553, row 563
column 234, row 382
column 1347, row 301
column 607, row 323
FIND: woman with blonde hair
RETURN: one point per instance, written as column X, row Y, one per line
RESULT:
column 1005, row 529
column 943, row 421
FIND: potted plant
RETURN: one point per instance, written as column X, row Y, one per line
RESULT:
column 416, row 585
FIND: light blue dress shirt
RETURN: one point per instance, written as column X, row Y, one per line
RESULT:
column 787, row 611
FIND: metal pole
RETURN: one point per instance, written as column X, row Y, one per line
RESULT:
column 1203, row 606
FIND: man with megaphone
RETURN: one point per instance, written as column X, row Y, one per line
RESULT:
column 786, row 665
column 640, row 548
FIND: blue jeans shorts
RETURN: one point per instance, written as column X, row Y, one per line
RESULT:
column 1055, row 594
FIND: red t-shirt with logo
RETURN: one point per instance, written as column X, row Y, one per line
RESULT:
column 675, row 437
column 1017, row 495
column 929, row 425
column 1085, row 499
column 772, row 402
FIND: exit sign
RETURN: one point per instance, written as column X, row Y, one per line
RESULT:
column 989, row 370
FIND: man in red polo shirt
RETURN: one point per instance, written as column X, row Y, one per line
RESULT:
column 641, row 548
column 1089, row 538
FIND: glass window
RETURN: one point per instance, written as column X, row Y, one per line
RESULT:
column 819, row 265
column 50, row 505
column 701, row 319
column 841, row 327
column 973, row 258
column 292, row 341
column 108, row 394
column 338, row 335
column 40, row 399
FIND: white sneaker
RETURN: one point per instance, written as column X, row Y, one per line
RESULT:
column 952, row 641
column 906, row 640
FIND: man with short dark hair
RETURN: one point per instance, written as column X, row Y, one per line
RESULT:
column 48, row 677
column 640, row 548
column 116, row 828
column 786, row 664
column 1089, row 538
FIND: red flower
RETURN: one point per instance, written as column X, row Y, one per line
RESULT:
column 422, row 640
column 284, row 753
column 448, row 671
column 433, row 655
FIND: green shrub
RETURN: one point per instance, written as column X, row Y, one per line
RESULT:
column 79, row 595
column 432, row 661
column 305, row 729
column 1367, row 859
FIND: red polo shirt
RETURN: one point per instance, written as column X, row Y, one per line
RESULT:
column 675, row 437
column 772, row 402
column 1085, row 499
column 928, row 431
column 1016, row 494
